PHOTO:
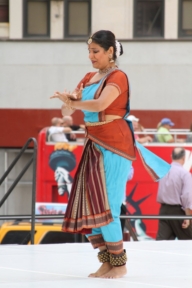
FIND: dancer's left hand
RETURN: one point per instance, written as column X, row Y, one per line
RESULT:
column 62, row 96
column 75, row 95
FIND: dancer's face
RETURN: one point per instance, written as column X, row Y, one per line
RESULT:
column 99, row 56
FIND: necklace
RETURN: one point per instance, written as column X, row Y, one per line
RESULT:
column 104, row 71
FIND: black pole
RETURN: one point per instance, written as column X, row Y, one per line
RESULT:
column 33, row 192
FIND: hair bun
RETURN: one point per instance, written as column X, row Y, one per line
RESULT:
column 119, row 48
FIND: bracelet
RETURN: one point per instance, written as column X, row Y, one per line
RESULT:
column 68, row 104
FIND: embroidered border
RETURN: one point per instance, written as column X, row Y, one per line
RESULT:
column 96, row 240
column 115, row 247
column 96, row 140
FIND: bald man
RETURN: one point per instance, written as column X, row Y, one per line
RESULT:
column 57, row 131
column 68, row 122
column 175, row 196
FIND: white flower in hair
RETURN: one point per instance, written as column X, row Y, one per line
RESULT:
column 118, row 48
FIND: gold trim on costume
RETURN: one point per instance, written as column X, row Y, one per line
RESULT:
column 118, row 152
column 97, row 123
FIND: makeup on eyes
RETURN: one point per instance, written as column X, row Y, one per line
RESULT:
column 93, row 50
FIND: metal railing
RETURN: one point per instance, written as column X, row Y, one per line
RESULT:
column 151, row 132
column 126, row 217
column 60, row 217
column 174, row 132
column 32, row 160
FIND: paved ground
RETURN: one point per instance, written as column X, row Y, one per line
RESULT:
column 151, row 264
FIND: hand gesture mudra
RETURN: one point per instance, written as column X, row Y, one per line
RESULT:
column 66, row 95
column 77, row 93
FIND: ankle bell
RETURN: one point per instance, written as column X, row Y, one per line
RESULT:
column 118, row 260
column 104, row 256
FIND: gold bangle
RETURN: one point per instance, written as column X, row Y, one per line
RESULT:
column 68, row 104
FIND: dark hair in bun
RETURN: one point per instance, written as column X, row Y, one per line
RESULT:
column 106, row 39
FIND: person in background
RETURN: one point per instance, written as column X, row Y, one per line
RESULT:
column 56, row 132
column 175, row 196
column 68, row 122
column 138, row 128
column 163, row 132
column 164, row 127
column 123, row 206
column 189, row 137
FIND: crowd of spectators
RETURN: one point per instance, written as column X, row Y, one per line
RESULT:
column 163, row 133
column 63, row 130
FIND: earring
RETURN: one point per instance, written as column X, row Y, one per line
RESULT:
column 111, row 59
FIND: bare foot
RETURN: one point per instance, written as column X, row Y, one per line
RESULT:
column 105, row 268
column 116, row 272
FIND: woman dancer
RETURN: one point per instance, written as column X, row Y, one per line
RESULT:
column 100, row 181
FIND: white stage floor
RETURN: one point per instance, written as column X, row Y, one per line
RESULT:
column 163, row 264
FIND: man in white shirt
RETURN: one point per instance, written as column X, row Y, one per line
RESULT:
column 57, row 131
column 68, row 122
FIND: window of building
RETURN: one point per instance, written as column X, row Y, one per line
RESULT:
column 4, row 10
column 77, row 18
column 36, row 18
column 149, row 18
column 185, row 18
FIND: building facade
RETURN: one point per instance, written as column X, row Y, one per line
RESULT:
column 43, row 48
